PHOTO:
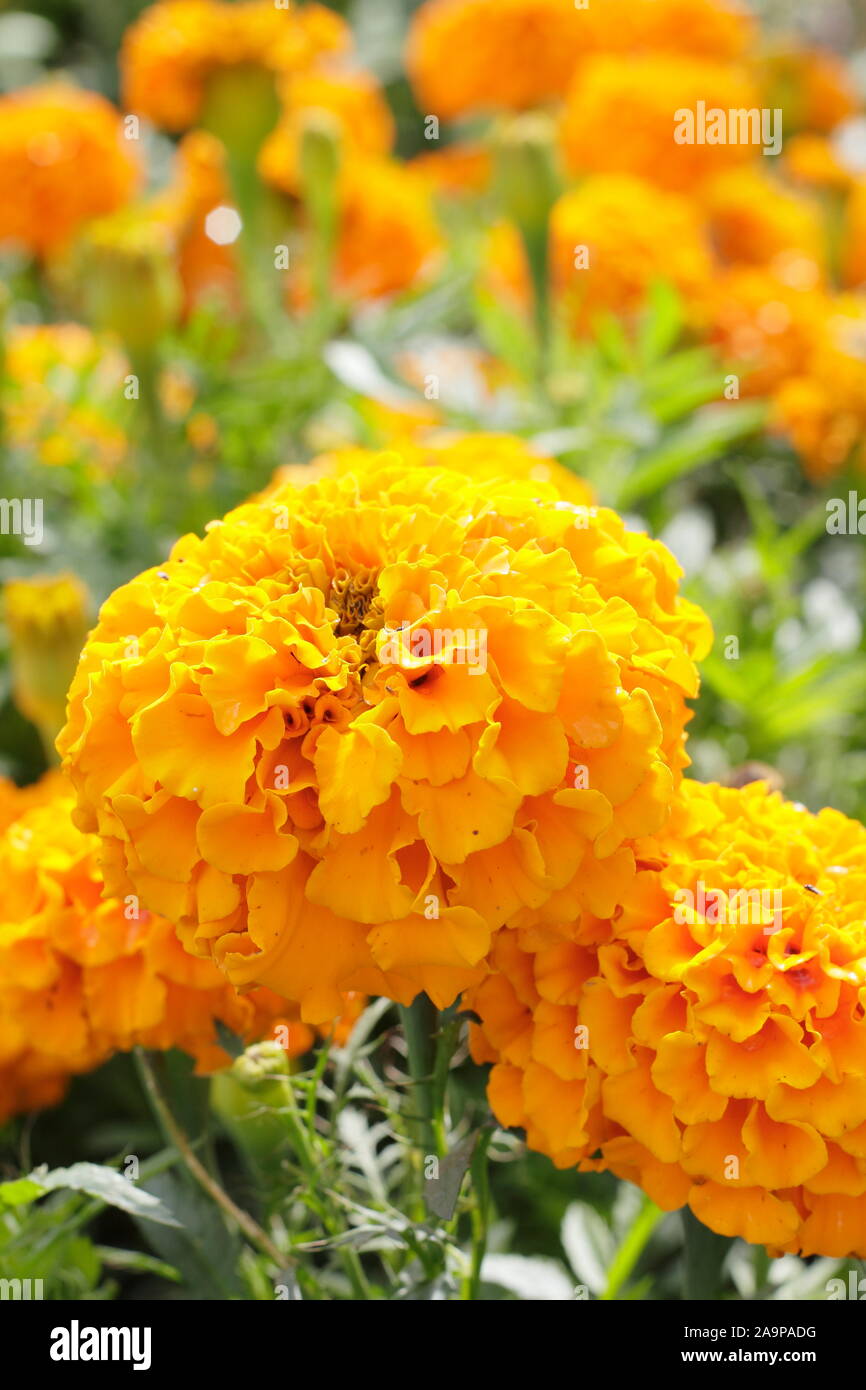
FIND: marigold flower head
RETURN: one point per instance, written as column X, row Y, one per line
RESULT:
column 471, row 55
column 813, row 87
column 46, row 619
column 762, row 323
column 387, row 235
column 754, row 220
column 614, row 235
column 823, row 409
column 812, row 160
column 63, row 161
column 620, row 118
column 82, row 976
column 175, row 46
column 60, row 402
column 466, row 56
column 364, row 721
column 706, row 1042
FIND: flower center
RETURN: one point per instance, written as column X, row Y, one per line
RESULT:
column 358, row 607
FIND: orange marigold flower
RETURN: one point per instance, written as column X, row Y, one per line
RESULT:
column 765, row 326
column 754, row 220
column 365, row 721
column 611, row 237
column 387, row 235
column 82, row 976
column 621, row 117
column 46, row 619
column 471, row 55
column 175, row 46
column 823, row 410
column 813, row 86
column 812, row 160
column 466, row 56
column 63, row 161
column 707, row 1041
column 363, row 117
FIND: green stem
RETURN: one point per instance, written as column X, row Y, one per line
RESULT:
column 175, row 1135
column 632, row 1248
column 421, row 1026
column 480, row 1213
column 702, row 1262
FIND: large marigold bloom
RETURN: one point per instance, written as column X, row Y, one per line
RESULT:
column 363, row 722
column 176, row 46
column 619, row 118
column 708, row 1041
column 82, row 976
column 63, row 161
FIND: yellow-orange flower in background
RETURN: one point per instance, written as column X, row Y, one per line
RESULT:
column 854, row 239
column 355, row 99
column 813, row 87
column 82, row 976
column 823, row 409
column 387, row 239
column 62, row 396
column 63, row 161
column 46, row 619
column 765, row 326
column 480, row 55
column 620, row 118
column 469, row 56
column 363, row 722
column 200, row 184
column 612, row 236
column 755, row 220
column 709, row 1041
column 175, row 46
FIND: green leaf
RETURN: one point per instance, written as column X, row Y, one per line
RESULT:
column 703, row 439
column 19, row 1192
column 441, row 1193
column 105, row 1184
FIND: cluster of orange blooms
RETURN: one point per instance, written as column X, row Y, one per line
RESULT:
column 766, row 251
column 290, row 742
